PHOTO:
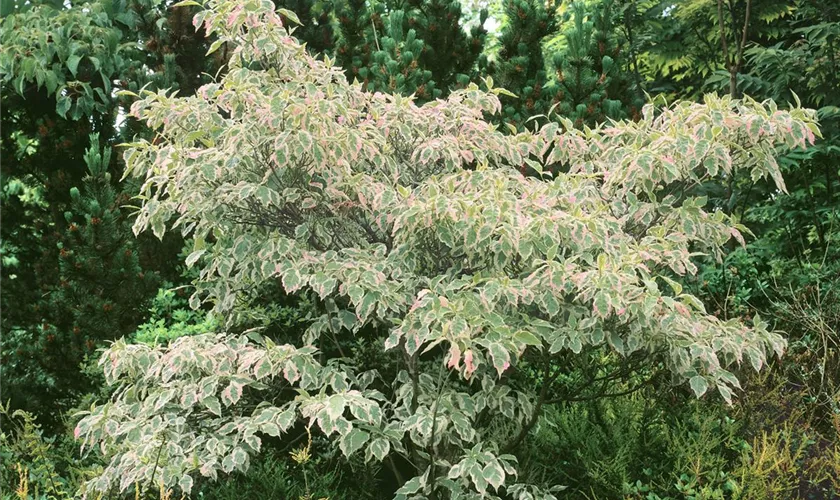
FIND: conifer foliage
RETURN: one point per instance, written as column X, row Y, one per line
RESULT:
column 99, row 294
column 417, row 47
column 61, row 64
column 591, row 70
column 520, row 64
column 316, row 30
column 464, row 278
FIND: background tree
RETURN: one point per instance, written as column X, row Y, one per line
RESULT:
column 417, row 47
column 61, row 68
column 789, row 271
column 520, row 64
column 682, row 51
column 592, row 69
column 316, row 29
column 99, row 282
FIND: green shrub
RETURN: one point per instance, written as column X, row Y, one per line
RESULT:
column 170, row 317
column 35, row 466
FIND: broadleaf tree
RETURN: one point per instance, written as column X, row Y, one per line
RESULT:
column 414, row 223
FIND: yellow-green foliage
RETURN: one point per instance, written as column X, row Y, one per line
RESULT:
column 771, row 467
column 32, row 466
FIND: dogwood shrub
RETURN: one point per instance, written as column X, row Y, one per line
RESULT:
column 415, row 222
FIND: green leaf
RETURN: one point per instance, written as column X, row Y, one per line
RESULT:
column 241, row 250
column 353, row 441
column 239, row 457
column 527, row 338
column 51, row 82
column 699, row 385
column 73, row 64
column 62, row 105
column 379, row 448
column 601, row 304
column 271, row 429
column 194, row 256
column 501, row 357
column 726, row 392
column 676, row 287
column 335, row 406
column 285, row 419
column 215, row 46
column 367, row 305
column 288, row 14
column 263, row 368
column 212, row 403
column 552, row 307
column 494, row 474
column 477, row 476
column 232, row 393
column 186, row 483
column 292, row 280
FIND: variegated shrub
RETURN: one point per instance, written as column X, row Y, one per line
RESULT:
column 416, row 223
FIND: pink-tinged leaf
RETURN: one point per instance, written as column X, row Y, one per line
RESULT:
column 263, row 368
column 292, row 281
column 738, row 236
column 501, row 357
column 232, row 393
column 231, row 19
column 454, row 357
column 681, row 309
column 469, row 367
column 414, row 306
column 601, row 304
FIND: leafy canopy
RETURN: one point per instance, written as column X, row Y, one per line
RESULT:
column 415, row 223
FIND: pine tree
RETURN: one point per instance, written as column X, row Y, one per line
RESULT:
column 450, row 53
column 100, row 294
column 352, row 50
column 396, row 66
column 61, row 65
column 520, row 65
column 419, row 47
column 594, row 84
column 316, row 27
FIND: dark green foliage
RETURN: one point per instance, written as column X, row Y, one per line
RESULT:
column 519, row 65
column 276, row 475
column 589, row 80
column 592, row 70
column 73, row 275
column 316, row 30
column 99, row 294
column 451, row 50
column 170, row 317
column 395, row 66
column 789, row 270
column 679, row 47
column 417, row 47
